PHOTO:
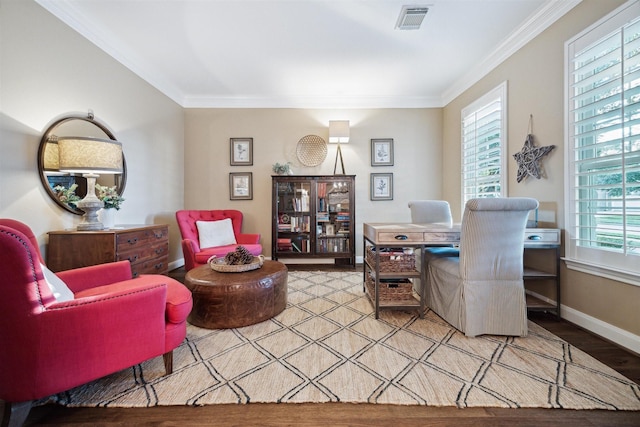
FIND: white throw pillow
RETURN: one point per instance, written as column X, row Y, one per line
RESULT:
column 59, row 289
column 215, row 233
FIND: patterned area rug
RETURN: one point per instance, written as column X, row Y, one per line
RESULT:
column 328, row 347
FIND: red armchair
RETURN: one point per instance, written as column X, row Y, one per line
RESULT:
column 113, row 322
column 194, row 255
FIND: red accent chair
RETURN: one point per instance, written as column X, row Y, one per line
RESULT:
column 111, row 323
column 194, row 255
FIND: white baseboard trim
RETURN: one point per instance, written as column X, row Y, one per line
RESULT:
column 612, row 333
column 176, row 264
column 605, row 330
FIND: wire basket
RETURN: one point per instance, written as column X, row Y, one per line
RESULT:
column 390, row 289
column 392, row 260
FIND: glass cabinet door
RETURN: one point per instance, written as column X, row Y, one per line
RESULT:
column 333, row 216
column 293, row 217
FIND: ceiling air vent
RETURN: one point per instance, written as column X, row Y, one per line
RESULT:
column 411, row 17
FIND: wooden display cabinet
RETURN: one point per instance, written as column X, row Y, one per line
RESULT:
column 313, row 217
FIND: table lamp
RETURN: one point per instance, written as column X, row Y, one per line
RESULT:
column 51, row 162
column 91, row 157
column 338, row 134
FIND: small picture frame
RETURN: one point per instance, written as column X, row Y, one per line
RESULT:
column 381, row 186
column 241, row 151
column 382, row 152
column 330, row 230
column 241, row 186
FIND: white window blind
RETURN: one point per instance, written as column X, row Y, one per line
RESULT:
column 603, row 209
column 483, row 146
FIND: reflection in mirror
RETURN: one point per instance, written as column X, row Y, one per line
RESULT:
column 68, row 188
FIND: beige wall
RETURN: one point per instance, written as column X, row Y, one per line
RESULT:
column 416, row 172
column 47, row 70
column 180, row 157
column 536, row 87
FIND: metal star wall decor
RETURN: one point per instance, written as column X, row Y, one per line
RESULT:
column 529, row 157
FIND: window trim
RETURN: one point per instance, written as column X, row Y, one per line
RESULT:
column 597, row 262
column 501, row 92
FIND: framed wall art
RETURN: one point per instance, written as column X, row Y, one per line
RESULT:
column 382, row 152
column 241, row 186
column 381, row 186
column 241, row 151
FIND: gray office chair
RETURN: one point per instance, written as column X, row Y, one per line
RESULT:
column 482, row 290
column 430, row 212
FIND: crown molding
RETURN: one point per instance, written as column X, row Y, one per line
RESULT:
column 539, row 21
column 70, row 15
column 353, row 102
column 546, row 15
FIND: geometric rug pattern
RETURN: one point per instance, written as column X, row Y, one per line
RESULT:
column 327, row 346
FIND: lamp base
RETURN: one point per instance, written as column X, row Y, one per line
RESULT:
column 90, row 205
column 338, row 154
column 90, row 221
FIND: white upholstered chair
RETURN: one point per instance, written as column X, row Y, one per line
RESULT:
column 482, row 290
column 429, row 212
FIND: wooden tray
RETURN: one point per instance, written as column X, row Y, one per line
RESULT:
column 218, row 264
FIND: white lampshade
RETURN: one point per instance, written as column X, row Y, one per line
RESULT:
column 338, row 131
column 51, row 157
column 90, row 155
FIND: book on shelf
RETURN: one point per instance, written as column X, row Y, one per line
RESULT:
column 322, row 204
column 322, row 190
column 284, row 244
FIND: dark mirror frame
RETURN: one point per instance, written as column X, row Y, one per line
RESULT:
column 120, row 180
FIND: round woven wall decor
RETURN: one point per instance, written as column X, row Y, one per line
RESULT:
column 311, row 150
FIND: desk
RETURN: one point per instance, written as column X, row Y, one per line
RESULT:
column 391, row 235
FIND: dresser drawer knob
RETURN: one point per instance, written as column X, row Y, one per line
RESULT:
column 133, row 241
column 159, row 266
column 133, row 258
column 159, row 251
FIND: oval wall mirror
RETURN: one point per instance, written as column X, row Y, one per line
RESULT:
column 58, row 184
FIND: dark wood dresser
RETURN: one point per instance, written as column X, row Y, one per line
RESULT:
column 145, row 246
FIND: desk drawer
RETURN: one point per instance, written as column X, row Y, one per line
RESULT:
column 399, row 238
column 443, row 237
column 541, row 236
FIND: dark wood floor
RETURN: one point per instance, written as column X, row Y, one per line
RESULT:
column 344, row 414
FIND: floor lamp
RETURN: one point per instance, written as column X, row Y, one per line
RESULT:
column 91, row 157
column 338, row 134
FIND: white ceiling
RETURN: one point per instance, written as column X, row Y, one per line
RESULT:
column 308, row 53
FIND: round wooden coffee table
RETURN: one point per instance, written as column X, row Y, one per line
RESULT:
column 232, row 300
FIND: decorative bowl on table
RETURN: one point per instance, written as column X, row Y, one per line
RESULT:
column 219, row 264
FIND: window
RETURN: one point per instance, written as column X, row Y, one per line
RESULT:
column 483, row 146
column 603, row 147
